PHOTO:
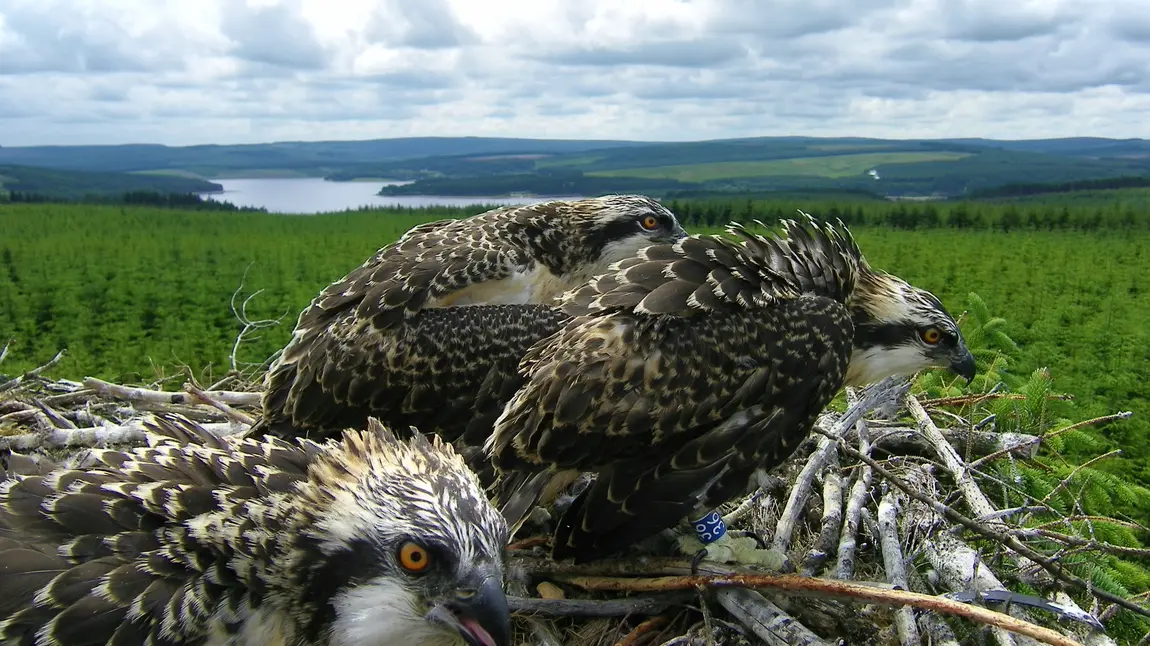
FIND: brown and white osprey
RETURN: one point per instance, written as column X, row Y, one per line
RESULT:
column 194, row 540
column 692, row 367
column 391, row 340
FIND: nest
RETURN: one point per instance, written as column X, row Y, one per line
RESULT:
column 888, row 534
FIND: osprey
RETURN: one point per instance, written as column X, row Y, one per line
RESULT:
column 389, row 339
column 197, row 540
column 693, row 367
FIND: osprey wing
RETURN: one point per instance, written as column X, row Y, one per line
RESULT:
column 446, row 371
column 104, row 555
column 721, row 274
column 684, row 371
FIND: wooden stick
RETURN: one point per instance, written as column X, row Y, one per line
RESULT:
column 1050, row 565
column 132, row 393
column 766, row 620
column 962, row 400
column 33, row 373
column 904, row 440
column 895, row 565
column 827, row 588
column 648, row 605
column 801, row 489
column 129, row 433
column 208, row 399
column 1066, row 429
column 848, row 537
column 832, row 519
column 633, row 637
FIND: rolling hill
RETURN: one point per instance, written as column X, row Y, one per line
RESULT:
column 499, row 166
column 75, row 185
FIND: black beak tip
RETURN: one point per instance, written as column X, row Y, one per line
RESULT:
column 486, row 608
column 964, row 367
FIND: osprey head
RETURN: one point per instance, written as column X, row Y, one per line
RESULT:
column 405, row 544
column 615, row 227
column 901, row 329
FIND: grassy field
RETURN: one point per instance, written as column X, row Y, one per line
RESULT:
column 135, row 292
column 830, row 166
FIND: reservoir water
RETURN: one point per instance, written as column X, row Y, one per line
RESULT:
column 307, row 195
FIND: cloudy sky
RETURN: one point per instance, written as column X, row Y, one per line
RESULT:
column 240, row 71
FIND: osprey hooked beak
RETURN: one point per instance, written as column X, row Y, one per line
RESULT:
column 477, row 611
column 962, row 363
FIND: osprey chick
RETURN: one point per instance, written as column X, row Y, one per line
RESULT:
column 196, row 540
column 692, row 366
column 378, row 342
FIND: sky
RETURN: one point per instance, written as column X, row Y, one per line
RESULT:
column 183, row 72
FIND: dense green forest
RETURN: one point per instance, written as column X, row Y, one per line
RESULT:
column 133, row 291
column 75, row 185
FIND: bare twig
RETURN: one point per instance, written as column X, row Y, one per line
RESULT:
column 892, row 558
column 1066, row 429
column 848, row 538
column 1050, row 565
column 972, row 442
column 230, row 412
column 827, row 588
column 832, row 519
column 801, row 489
column 767, row 620
column 646, row 605
column 250, row 326
column 135, row 394
column 962, row 400
column 33, row 373
column 131, row 432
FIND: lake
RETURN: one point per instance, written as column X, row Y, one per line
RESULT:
column 305, row 195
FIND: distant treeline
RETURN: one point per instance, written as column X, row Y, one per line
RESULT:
column 187, row 201
column 918, row 215
column 544, row 182
column 1010, row 190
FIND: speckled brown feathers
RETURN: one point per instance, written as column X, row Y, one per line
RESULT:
column 684, row 371
column 718, row 274
column 195, row 540
column 371, row 328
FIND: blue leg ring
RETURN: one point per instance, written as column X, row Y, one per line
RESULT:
column 709, row 528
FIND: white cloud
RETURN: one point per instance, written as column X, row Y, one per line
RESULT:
column 222, row 71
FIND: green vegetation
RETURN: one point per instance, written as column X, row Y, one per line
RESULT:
column 129, row 290
column 1069, row 488
column 1055, row 289
column 74, row 185
column 824, row 166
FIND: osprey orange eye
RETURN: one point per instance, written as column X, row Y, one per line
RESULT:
column 649, row 222
column 931, row 335
column 413, row 557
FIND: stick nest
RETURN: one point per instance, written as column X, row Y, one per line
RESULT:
column 887, row 515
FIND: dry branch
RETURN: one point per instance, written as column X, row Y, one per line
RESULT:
column 817, row 587
column 31, row 374
column 848, row 538
column 96, row 437
column 134, row 394
column 648, row 605
column 895, row 565
column 873, row 398
column 767, row 620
